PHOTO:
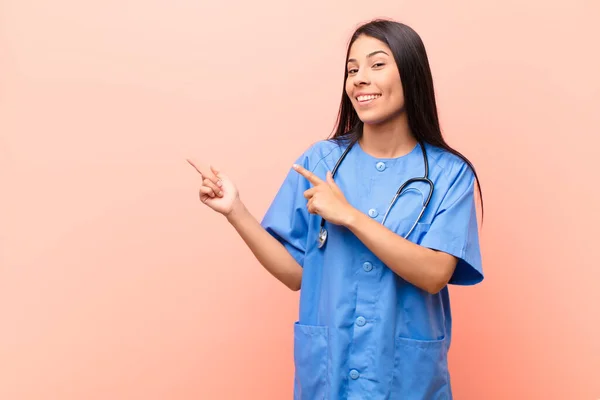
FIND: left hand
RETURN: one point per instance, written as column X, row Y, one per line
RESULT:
column 325, row 198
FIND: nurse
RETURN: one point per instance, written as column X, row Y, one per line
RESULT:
column 374, row 319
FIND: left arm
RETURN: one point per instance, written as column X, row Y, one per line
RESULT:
column 427, row 269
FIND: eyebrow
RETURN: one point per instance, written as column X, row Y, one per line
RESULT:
column 370, row 55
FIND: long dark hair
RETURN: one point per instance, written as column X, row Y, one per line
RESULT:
column 417, row 83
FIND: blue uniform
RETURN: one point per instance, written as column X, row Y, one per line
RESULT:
column 363, row 332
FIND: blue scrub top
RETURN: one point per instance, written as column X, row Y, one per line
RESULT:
column 363, row 332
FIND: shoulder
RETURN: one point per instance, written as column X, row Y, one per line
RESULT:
column 447, row 165
column 318, row 153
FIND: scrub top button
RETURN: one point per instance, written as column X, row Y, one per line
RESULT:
column 361, row 321
column 380, row 166
column 367, row 266
column 354, row 374
column 372, row 213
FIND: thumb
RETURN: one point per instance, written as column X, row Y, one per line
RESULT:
column 215, row 171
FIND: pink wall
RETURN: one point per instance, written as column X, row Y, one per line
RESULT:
column 115, row 283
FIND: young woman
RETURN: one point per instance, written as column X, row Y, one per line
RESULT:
column 373, row 266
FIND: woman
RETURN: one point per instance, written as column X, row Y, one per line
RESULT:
column 374, row 320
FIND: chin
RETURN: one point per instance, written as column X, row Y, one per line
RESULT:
column 370, row 118
column 373, row 118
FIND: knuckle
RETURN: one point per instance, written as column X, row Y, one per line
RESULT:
column 208, row 182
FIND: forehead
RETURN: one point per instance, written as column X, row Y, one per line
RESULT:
column 365, row 45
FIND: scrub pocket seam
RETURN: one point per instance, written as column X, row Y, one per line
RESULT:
column 415, row 359
column 311, row 361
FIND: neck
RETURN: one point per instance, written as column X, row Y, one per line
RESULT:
column 388, row 140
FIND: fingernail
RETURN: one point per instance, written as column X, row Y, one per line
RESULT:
column 220, row 193
column 295, row 166
column 219, row 183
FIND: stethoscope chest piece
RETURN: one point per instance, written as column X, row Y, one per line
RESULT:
column 322, row 237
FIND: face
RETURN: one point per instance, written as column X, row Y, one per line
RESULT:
column 373, row 84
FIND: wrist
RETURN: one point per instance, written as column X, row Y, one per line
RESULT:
column 352, row 216
column 237, row 210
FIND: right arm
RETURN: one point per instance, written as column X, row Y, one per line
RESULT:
column 219, row 193
column 271, row 254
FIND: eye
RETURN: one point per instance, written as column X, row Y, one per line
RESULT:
column 352, row 71
column 378, row 65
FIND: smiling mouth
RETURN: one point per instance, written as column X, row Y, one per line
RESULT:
column 366, row 99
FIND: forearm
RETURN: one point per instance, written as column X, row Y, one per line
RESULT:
column 427, row 269
column 271, row 254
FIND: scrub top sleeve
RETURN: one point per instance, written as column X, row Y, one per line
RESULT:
column 454, row 229
column 286, row 219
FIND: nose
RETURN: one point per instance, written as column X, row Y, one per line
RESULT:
column 361, row 77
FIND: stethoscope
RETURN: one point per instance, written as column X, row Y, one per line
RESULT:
column 425, row 179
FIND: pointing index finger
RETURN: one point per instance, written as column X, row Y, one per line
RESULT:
column 312, row 178
column 194, row 165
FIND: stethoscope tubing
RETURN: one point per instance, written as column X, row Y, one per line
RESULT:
column 425, row 179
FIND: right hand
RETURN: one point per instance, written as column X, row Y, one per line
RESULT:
column 217, row 191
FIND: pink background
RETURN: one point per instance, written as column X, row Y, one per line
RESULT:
column 116, row 283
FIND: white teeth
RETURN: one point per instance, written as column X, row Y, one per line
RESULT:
column 368, row 97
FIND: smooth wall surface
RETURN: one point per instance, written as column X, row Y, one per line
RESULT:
column 116, row 283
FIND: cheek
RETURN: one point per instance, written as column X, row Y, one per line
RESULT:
column 389, row 81
column 348, row 88
column 396, row 94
